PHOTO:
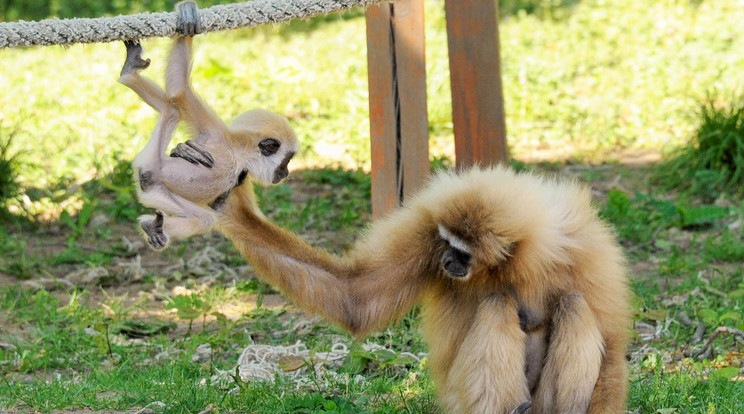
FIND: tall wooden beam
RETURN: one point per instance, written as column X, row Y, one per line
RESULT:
column 399, row 127
column 475, row 78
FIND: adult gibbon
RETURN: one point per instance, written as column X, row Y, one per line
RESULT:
column 522, row 288
column 258, row 143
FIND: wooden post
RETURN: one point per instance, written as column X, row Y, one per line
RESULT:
column 399, row 126
column 475, row 78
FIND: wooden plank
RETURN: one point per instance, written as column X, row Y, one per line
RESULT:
column 408, row 27
column 383, row 132
column 397, row 102
column 475, row 78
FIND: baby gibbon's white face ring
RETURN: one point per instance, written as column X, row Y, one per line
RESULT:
column 457, row 258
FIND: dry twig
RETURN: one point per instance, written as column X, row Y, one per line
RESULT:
column 697, row 337
column 707, row 349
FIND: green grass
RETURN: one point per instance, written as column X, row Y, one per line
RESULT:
column 713, row 163
column 119, row 350
column 57, row 363
column 582, row 80
column 9, row 166
column 604, row 77
column 685, row 393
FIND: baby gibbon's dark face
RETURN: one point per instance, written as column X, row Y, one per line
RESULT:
column 457, row 257
column 282, row 170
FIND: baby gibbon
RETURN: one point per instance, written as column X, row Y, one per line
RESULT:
column 522, row 288
column 201, row 171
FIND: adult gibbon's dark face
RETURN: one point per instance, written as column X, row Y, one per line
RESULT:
column 457, row 257
column 456, row 262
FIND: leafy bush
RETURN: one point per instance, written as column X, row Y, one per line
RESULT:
column 713, row 162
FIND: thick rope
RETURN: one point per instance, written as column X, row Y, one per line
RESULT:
column 138, row 26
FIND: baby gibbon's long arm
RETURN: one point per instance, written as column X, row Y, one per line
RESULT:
column 362, row 291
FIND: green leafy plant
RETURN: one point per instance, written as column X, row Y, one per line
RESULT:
column 191, row 307
column 78, row 223
column 358, row 359
column 713, row 161
column 640, row 218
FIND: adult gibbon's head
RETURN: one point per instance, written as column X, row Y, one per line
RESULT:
column 477, row 221
column 466, row 254
column 271, row 144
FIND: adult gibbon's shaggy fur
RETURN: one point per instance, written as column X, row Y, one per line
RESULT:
column 522, row 287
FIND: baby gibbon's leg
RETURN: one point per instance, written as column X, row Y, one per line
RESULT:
column 190, row 219
column 487, row 375
column 148, row 90
column 149, row 160
column 573, row 361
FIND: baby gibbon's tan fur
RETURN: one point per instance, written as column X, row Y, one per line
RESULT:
column 200, row 172
column 484, row 251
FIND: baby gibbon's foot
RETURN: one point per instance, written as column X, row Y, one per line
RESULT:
column 194, row 153
column 134, row 62
column 187, row 19
column 153, row 228
column 522, row 408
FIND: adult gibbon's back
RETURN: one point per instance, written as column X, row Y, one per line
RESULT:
column 522, row 287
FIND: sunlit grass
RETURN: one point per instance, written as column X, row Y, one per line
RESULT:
column 604, row 77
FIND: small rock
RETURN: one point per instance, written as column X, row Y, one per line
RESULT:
column 735, row 225
column 203, row 353
column 98, row 220
column 87, row 276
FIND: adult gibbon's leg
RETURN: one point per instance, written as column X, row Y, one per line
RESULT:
column 611, row 391
column 377, row 283
column 573, row 361
column 487, row 375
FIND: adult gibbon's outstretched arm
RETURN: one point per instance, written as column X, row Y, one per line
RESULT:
column 363, row 291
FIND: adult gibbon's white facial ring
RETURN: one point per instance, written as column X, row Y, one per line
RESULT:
column 456, row 259
column 269, row 146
